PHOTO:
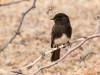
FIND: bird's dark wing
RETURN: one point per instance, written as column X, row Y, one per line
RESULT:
column 69, row 31
column 52, row 36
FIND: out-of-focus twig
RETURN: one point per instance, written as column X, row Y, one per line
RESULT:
column 50, row 7
column 20, row 24
column 98, row 28
column 91, row 69
column 13, row 3
column 89, row 52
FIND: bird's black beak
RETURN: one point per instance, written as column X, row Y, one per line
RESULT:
column 52, row 19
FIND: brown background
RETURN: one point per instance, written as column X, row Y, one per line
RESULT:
column 35, row 36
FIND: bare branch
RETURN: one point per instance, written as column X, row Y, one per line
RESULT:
column 30, row 65
column 13, row 3
column 50, row 7
column 20, row 24
column 68, row 52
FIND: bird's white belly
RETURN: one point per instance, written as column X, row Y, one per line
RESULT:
column 62, row 40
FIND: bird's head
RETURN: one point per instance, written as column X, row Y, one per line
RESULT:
column 60, row 18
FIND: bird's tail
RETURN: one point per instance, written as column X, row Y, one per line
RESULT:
column 55, row 55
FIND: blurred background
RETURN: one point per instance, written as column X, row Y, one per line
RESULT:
column 36, row 31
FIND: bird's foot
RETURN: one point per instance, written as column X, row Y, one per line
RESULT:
column 69, row 44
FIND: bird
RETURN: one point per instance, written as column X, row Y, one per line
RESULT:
column 60, row 34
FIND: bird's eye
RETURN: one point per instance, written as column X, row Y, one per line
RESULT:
column 59, row 18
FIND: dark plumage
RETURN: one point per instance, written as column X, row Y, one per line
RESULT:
column 61, row 33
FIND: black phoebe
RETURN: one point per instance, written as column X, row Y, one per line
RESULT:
column 61, row 33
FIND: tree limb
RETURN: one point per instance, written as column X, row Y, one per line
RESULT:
column 53, row 63
column 68, row 52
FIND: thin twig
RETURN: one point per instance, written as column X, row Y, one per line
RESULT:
column 89, row 52
column 20, row 24
column 13, row 3
column 98, row 28
column 50, row 7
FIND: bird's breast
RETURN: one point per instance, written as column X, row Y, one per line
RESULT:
column 62, row 40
